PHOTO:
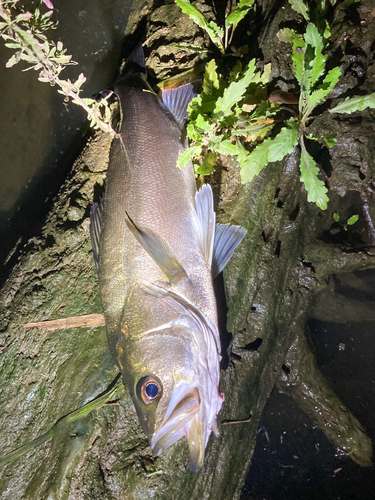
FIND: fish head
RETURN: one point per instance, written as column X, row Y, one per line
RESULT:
column 174, row 388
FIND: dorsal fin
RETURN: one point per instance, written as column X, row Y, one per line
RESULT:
column 204, row 203
column 227, row 239
column 96, row 221
column 177, row 100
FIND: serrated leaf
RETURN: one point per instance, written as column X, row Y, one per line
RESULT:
column 238, row 13
column 352, row 220
column 186, row 156
column 242, row 154
column 210, row 79
column 212, row 30
column 285, row 141
column 316, row 97
column 226, row 148
column 255, row 161
column 208, row 163
column 327, row 31
column 203, row 124
column 353, row 104
column 235, row 92
column 262, row 78
column 300, row 7
column 298, row 58
column 255, row 130
column 317, row 64
column 316, row 190
column 288, row 35
column 213, row 141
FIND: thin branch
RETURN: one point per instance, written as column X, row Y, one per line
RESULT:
column 86, row 321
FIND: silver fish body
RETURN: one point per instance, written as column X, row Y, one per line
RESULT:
column 153, row 238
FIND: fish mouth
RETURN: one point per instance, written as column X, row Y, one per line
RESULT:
column 183, row 419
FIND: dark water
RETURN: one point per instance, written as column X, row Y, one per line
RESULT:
column 293, row 459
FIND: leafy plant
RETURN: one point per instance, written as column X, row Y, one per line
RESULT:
column 350, row 222
column 219, row 36
column 24, row 32
column 231, row 112
column 222, row 113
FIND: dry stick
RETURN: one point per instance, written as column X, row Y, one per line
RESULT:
column 88, row 321
column 232, row 422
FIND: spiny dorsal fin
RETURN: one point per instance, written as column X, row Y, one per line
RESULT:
column 96, row 222
column 158, row 249
column 177, row 100
column 204, row 203
column 227, row 239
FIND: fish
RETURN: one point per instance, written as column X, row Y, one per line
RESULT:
column 158, row 248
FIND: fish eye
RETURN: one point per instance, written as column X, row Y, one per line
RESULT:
column 148, row 389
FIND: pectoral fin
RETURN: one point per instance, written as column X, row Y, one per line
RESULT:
column 227, row 239
column 158, row 249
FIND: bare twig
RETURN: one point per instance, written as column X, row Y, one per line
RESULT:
column 86, row 321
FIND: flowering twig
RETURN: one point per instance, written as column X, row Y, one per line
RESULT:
column 25, row 33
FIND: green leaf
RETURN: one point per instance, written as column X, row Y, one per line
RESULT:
column 317, row 65
column 88, row 101
column 210, row 79
column 300, row 7
column 226, row 148
column 316, row 190
column 298, row 58
column 262, row 78
column 186, row 156
column 352, row 220
column 238, row 13
column 14, row 45
column 288, row 35
column 257, row 129
column 336, row 217
column 316, row 97
column 235, row 92
column 285, row 141
column 352, row 104
column 330, row 140
column 14, row 59
column 203, row 124
column 212, row 30
column 255, row 161
column 242, row 154
column 207, row 166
